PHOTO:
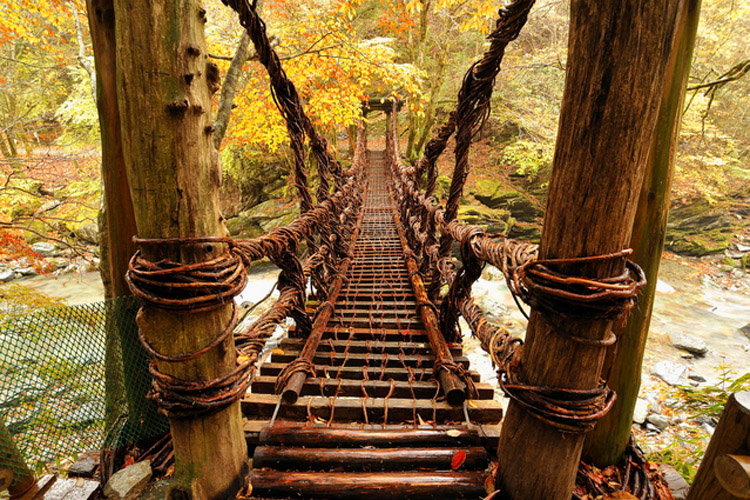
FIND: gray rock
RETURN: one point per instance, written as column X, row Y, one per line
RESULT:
column 696, row 377
column 88, row 232
column 708, row 428
column 690, row 343
column 686, row 355
column 7, row 275
column 128, row 483
column 641, row 411
column 745, row 330
column 45, row 248
column 675, row 481
column 742, row 248
column 85, row 466
column 668, row 371
column 658, row 420
column 26, row 271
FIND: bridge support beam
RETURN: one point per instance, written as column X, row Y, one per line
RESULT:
column 617, row 58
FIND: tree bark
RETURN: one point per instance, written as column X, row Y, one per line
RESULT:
column 116, row 231
column 606, row 444
column 165, row 82
column 617, row 56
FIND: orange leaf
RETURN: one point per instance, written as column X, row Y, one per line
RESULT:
column 458, row 459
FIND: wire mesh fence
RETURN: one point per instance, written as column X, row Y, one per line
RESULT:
column 73, row 379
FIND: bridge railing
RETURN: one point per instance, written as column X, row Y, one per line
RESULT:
column 425, row 221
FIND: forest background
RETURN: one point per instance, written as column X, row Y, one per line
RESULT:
column 340, row 52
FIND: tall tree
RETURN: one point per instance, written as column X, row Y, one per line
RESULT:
column 165, row 82
column 607, row 443
column 116, row 231
column 616, row 65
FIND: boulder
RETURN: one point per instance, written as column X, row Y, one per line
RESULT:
column 262, row 218
column 745, row 330
column 494, row 194
column 45, row 248
column 88, row 233
column 641, row 411
column 668, row 371
column 493, row 220
column 675, row 481
column 128, row 483
column 700, row 228
column 658, row 420
column 690, row 343
column 7, row 274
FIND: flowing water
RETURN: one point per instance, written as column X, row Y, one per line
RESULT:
column 685, row 303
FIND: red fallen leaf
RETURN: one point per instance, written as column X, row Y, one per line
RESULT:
column 458, row 459
column 129, row 460
column 405, row 332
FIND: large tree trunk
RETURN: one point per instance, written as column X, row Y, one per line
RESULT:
column 607, row 443
column 164, row 82
column 116, row 231
column 617, row 55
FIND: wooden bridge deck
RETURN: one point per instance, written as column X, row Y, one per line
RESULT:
column 374, row 423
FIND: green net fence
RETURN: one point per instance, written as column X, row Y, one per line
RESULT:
column 73, row 379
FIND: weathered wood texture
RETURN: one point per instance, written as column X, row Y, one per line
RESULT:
column 607, row 443
column 319, row 437
column 164, row 83
column 365, row 459
column 733, row 473
column 372, row 486
column 732, row 437
column 617, row 57
column 117, row 220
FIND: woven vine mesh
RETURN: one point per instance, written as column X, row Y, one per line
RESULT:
column 73, row 379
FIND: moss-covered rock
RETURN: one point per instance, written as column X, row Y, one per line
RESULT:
column 492, row 220
column 495, row 194
column 526, row 231
column 700, row 228
column 262, row 218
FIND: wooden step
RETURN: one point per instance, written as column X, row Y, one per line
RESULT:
column 375, row 388
column 375, row 346
column 347, row 437
column 373, row 361
column 352, row 409
column 369, row 485
column 315, row 434
column 365, row 459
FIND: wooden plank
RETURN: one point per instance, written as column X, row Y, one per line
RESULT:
column 366, row 459
column 358, row 372
column 352, row 409
column 374, row 361
column 488, row 433
column 341, row 437
column 372, row 486
column 358, row 346
column 374, row 388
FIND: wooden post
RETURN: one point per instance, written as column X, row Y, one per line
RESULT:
column 608, row 441
column 617, row 54
column 15, row 475
column 724, row 471
column 117, row 228
column 164, row 82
